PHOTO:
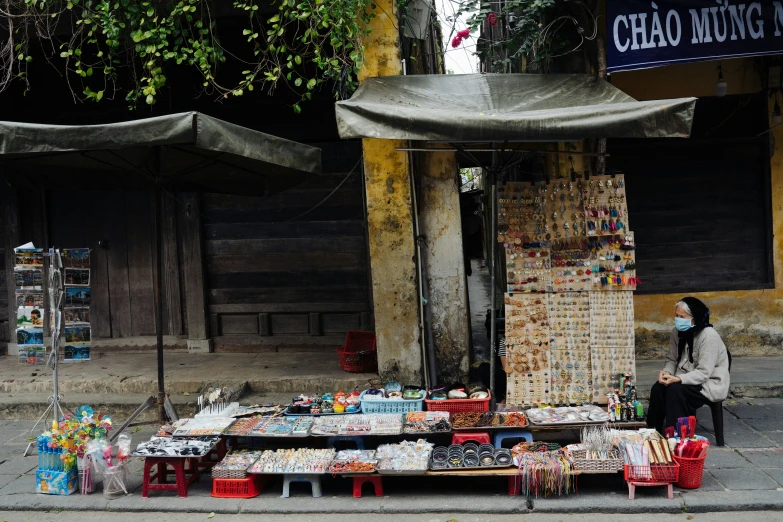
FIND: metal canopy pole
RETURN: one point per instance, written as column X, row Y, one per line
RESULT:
column 493, row 266
column 158, row 297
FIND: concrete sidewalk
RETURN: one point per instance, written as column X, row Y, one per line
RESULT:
column 747, row 474
column 120, row 382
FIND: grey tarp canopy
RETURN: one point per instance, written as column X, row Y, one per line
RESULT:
column 186, row 149
column 179, row 151
column 506, row 107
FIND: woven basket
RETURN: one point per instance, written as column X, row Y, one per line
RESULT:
column 229, row 473
column 582, row 463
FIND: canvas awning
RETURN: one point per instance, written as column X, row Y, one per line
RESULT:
column 506, row 107
column 185, row 149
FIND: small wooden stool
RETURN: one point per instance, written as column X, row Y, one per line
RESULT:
column 360, row 480
column 482, row 437
column 632, row 487
column 313, row 479
column 181, row 480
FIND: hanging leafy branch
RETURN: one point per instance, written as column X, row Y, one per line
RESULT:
column 533, row 31
column 110, row 46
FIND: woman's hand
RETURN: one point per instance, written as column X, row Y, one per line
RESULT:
column 662, row 375
column 671, row 379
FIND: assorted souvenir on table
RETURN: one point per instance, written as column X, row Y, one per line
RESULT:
column 404, row 456
column 362, row 424
column 570, row 272
column 394, row 391
column 458, row 391
column 176, row 446
column 427, row 422
column 303, row 460
column 325, row 404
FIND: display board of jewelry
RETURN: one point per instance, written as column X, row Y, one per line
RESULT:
column 568, row 247
column 527, row 348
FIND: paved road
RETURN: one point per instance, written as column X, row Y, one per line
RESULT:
column 77, row 516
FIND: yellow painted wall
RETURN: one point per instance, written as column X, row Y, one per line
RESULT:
column 751, row 322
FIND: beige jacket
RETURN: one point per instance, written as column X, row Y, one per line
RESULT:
column 710, row 366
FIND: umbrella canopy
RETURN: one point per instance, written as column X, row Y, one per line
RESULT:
column 506, row 107
column 187, row 149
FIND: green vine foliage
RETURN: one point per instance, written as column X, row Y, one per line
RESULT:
column 128, row 45
column 527, row 34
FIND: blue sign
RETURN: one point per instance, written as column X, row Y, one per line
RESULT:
column 642, row 34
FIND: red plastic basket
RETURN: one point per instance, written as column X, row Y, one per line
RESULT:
column 249, row 487
column 691, row 472
column 459, row 405
column 654, row 473
column 359, row 354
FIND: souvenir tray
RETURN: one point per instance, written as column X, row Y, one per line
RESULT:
column 499, row 427
column 280, row 427
column 566, row 415
column 289, row 414
column 199, row 427
column 350, row 472
column 180, row 447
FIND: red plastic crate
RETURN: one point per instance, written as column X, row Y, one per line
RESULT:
column 249, row 487
column 359, row 341
column 359, row 354
column 459, row 405
column 654, row 473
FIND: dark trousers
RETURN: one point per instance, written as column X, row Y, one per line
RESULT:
column 669, row 403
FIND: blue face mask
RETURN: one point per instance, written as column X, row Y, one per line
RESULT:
column 682, row 324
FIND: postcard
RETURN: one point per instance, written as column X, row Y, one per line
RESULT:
column 79, row 296
column 77, row 352
column 77, row 334
column 77, row 315
column 28, row 257
column 77, row 277
column 29, row 316
column 29, row 335
column 75, row 257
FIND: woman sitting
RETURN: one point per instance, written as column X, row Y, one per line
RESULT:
column 696, row 370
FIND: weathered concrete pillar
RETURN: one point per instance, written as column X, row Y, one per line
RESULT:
column 390, row 221
column 444, row 264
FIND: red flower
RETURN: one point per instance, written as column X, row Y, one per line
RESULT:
column 464, row 33
column 492, row 19
column 456, row 41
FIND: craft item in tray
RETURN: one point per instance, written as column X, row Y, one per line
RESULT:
column 527, row 348
column 352, row 467
column 176, row 446
column 470, row 456
column 365, row 424
column 567, row 415
column 242, row 426
column 201, row 426
column 605, row 206
column 358, row 410
column 277, row 427
column 235, row 464
column 571, row 261
column 569, row 316
column 470, row 421
column 356, row 455
column 427, row 422
column 302, row 427
column 305, row 460
column 257, row 410
column 168, row 429
column 406, row 457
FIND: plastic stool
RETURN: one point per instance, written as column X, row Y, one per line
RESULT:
column 181, row 481
column 512, row 434
column 314, row 480
column 632, row 487
column 359, row 441
column 360, row 480
column 482, row 437
column 514, row 485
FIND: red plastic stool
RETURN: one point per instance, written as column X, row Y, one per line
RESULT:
column 214, row 455
column 181, row 480
column 482, row 437
column 360, row 480
column 514, row 485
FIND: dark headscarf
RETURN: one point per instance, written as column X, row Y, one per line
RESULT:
column 701, row 320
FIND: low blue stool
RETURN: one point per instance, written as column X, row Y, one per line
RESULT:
column 333, row 441
column 512, row 434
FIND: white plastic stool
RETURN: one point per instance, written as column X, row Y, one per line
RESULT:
column 313, row 479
